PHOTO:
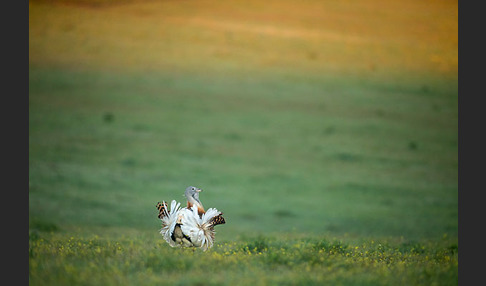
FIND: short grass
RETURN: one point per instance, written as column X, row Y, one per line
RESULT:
column 326, row 133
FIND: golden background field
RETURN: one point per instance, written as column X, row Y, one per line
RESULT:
column 366, row 38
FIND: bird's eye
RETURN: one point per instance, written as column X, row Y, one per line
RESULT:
column 193, row 188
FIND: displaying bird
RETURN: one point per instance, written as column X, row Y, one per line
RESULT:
column 191, row 226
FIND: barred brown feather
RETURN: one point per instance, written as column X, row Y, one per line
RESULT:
column 219, row 219
column 162, row 207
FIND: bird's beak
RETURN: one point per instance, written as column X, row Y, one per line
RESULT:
column 198, row 190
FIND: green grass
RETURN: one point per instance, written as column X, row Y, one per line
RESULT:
column 105, row 149
column 387, row 168
column 330, row 144
column 146, row 260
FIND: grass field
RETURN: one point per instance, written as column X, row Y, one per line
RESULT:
column 325, row 131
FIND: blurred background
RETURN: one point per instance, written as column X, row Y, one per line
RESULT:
column 324, row 118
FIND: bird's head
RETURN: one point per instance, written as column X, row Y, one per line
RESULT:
column 192, row 193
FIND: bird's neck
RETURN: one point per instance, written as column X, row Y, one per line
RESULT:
column 200, row 208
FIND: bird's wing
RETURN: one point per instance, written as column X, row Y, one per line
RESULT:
column 199, row 229
column 169, row 221
column 209, row 215
column 162, row 207
column 219, row 219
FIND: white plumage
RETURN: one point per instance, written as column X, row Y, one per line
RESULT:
column 191, row 226
column 169, row 221
column 199, row 229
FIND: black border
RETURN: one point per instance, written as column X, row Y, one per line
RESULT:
column 471, row 142
column 15, row 131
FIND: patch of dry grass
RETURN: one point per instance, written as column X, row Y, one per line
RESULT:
column 351, row 37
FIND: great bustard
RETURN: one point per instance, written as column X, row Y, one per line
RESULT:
column 191, row 226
